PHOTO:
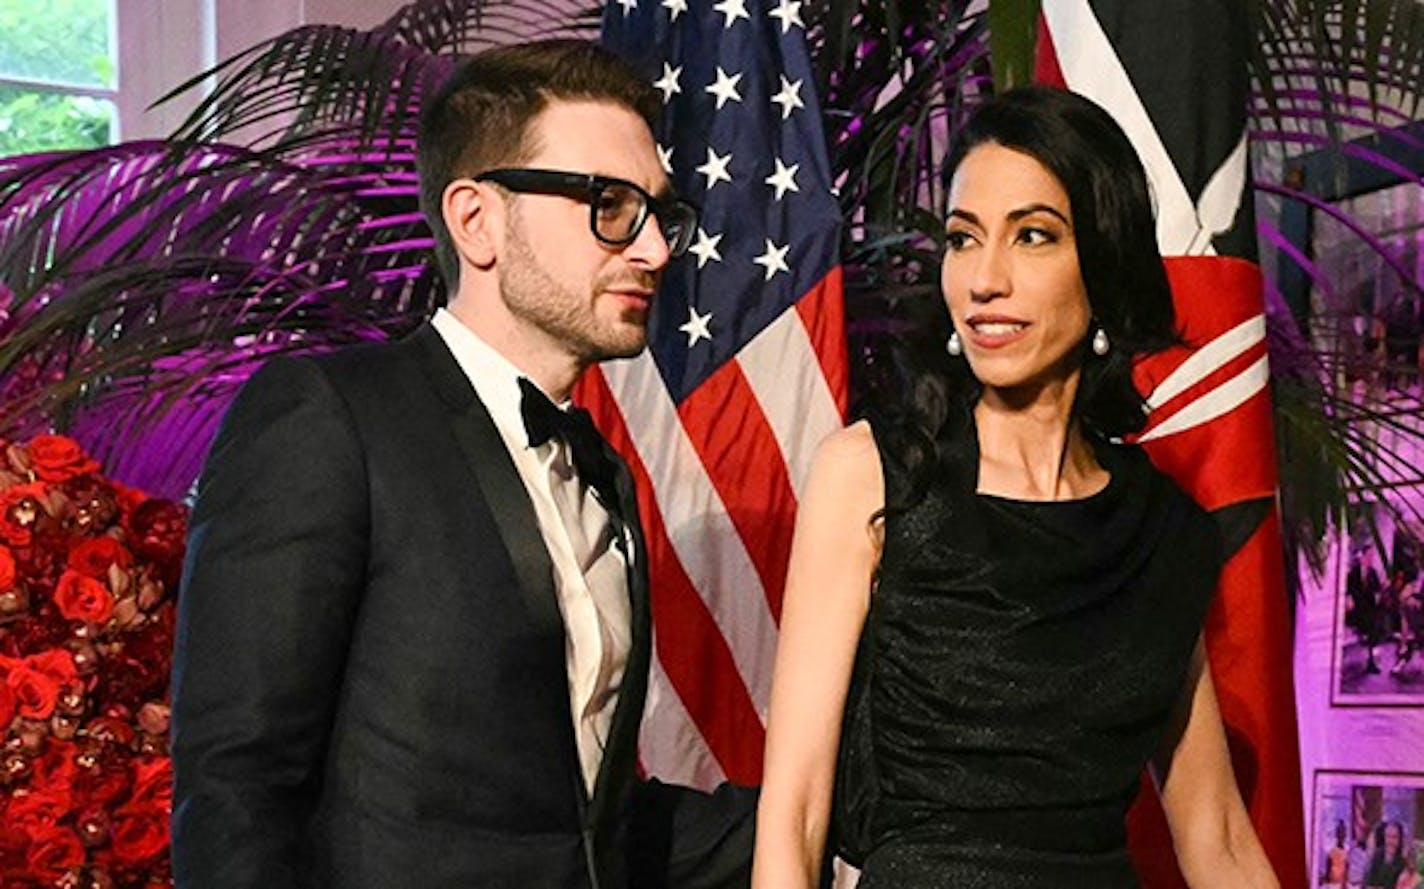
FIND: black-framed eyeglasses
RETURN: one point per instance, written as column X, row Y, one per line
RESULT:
column 617, row 208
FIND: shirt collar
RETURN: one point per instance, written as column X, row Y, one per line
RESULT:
column 495, row 378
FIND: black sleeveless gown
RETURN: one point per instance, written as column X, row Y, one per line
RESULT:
column 1017, row 669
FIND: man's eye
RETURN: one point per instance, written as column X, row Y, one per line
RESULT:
column 618, row 202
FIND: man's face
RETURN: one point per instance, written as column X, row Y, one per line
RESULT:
column 589, row 298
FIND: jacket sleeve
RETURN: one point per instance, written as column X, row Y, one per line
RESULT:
column 275, row 567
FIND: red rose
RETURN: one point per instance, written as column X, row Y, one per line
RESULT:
column 93, row 557
column 56, row 662
column 21, row 507
column 83, row 598
column 58, row 458
column 36, row 813
column 7, row 568
column 137, row 836
column 153, row 784
column 35, row 693
column 36, row 681
column 57, row 852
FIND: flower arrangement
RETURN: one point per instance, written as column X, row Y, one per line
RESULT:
column 88, row 568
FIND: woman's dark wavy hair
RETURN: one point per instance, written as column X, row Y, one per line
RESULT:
column 1116, row 237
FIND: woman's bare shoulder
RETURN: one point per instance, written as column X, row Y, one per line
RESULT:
column 847, row 466
column 849, row 447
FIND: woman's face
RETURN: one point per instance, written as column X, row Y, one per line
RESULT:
column 1392, row 839
column 1010, row 274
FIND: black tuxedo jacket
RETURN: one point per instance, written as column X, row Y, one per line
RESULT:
column 370, row 687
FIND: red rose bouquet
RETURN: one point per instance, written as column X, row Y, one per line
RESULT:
column 88, row 569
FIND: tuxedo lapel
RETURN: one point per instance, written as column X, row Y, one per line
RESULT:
column 518, row 525
column 499, row 481
column 621, row 751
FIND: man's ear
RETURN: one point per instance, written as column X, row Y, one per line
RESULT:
column 475, row 218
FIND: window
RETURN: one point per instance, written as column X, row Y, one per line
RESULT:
column 58, row 86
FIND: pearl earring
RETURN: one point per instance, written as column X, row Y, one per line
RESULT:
column 953, row 346
column 1101, row 345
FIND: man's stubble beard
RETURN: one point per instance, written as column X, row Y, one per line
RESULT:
column 533, row 296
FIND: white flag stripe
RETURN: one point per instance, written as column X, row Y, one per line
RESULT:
column 1208, row 359
column 784, row 373
column 1091, row 68
column 1221, row 400
column 1221, row 198
column 701, row 533
column 670, row 745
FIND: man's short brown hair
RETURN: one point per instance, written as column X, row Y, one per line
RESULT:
column 479, row 120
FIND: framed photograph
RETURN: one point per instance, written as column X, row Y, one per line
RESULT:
column 1367, row 830
column 1378, row 631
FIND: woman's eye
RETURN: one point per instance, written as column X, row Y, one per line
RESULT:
column 1036, row 236
column 957, row 240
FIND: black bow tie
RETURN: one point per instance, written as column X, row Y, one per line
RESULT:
column 544, row 421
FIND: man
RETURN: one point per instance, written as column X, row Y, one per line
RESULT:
column 414, row 631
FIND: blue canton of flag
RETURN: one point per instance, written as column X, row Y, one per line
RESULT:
column 741, row 137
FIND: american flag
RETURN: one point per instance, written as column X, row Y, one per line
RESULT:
column 745, row 372
column 1174, row 75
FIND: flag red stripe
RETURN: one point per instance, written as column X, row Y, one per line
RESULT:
column 740, row 452
column 1045, row 63
column 822, row 311
column 691, row 649
column 1248, row 634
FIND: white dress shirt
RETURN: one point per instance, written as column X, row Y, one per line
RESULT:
column 590, row 572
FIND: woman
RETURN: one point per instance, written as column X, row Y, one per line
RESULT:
column 1388, row 862
column 1032, row 637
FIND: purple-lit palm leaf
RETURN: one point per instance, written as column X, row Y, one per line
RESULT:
column 144, row 282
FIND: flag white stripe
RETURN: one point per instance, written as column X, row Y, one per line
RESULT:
column 698, row 527
column 784, row 372
column 1221, row 400
column 1209, row 358
column 1221, row 198
column 670, row 745
column 1091, row 68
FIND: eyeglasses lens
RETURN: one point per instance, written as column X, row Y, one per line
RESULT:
column 620, row 212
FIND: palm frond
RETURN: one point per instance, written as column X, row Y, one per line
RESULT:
column 1333, row 47
column 342, row 81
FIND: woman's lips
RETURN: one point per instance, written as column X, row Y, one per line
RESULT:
column 995, row 332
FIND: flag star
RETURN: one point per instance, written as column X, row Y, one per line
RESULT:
column 665, row 158
column 732, row 10
column 784, row 179
column 676, row 7
column 668, row 82
column 788, row 12
column 628, row 5
column 706, row 248
column 725, row 87
column 789, row 98
column 715, row 168
column 696, row 327
column 773, row 260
